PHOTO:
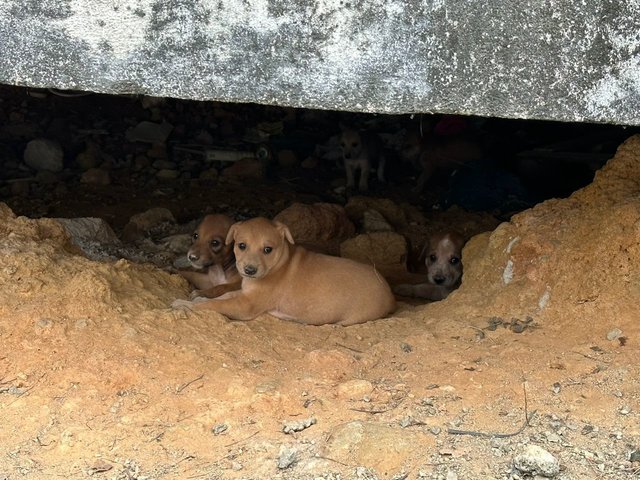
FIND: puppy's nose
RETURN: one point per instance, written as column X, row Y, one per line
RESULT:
column 439, row 280
column 250, row 270
column 192, row 257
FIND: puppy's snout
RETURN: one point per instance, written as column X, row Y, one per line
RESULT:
column 250, row 270
column 439, row 279
column 192, row 257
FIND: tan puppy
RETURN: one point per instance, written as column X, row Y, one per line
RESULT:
column 210, row 251
column 444, row 269
column 361, row 151
column 292, row 283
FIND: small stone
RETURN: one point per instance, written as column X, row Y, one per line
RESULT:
column 553, row 437
column 614, row 334
column 536, row 460
column 220, row 428
column 44, row 323
column 634, row 456
column 287, row 457
column 354, row 389
column 373, row 221
column 556, row 388
column 451, row 475
column 90, row 157
column 246, row 168
column 298, row 425
column 167, row 174
column 435, row 430
column 163, row 164
column 43, row 154
column 96, row 176
column 45, row 177
column 624, row 410
column 406, row 348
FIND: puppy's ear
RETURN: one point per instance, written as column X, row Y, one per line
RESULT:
column 284, row 231
column 231, row 234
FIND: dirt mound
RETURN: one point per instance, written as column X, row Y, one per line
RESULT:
column 98, row 377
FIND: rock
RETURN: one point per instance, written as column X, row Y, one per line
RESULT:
column 287, row 457
column 149, row 132
column 298, row 425
column 21, row 188
column 179, row 243
column 96, row 176
column 614, row 334
column 90, row 157
column 393, row 213
column 158, row 151
column 208, row 175
column 379, row 249
column 89, row 229
column 45, row 177
column 161, row 164
column 354, row 389
column 142, row 223
column 167, row 174
column 310, row 162
column 140, row 162
column 246, row 168
column 373, row 221
column 287, row 158
column 321, row 225
column 536, row 460
column 362, row 443
column 43, row 154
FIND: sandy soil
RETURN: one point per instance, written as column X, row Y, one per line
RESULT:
column 99, row 378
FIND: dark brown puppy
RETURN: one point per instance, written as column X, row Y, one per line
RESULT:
column 209, row 251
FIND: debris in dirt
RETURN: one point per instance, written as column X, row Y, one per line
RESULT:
column 624, row 410
column 556, row 388
column 614, row 334
column 435, row 430
column 185, row 385
column 400, row 476
column 96, row 176
column 409, row 421
column 220, row 428
column 100, row 466
column 634, row 456
column 406, row 348
column 142, row 223
column 451, row 475
column 298, row 425
column 515, row 324
column 364, row 473
column 287, row 457
column 536, row 460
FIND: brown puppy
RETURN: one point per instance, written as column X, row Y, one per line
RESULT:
column 210, row 251
column 433, row 153
column 444, row 269
column 362, row 151
column 292, row 283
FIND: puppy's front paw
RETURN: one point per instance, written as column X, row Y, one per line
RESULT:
column 195, row 294
column 181, row 304
column 404, row 290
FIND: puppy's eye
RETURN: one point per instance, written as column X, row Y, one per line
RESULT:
column 267, row 250
column 215, row 243
column 454, row 260
column 432, row 257
column 242, row 246
column 195, row 235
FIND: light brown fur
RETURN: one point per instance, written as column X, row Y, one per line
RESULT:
column 361, row 151
column 444, row 268
column 209, row 251
column 293, row 283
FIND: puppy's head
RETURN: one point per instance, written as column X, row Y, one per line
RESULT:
column 208, row 245
column 350, row 142
column 261, row 245
column 444, row 259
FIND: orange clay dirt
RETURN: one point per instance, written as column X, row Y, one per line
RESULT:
column 100, row 379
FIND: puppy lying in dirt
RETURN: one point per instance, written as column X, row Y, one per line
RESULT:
column 293, row 283
column 444, row 269
column 362, row 151
column 209, row 251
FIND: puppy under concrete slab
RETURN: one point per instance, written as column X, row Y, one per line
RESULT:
column 292, row 283
column 361, row 151
column 444, row 268
column 211, row 254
